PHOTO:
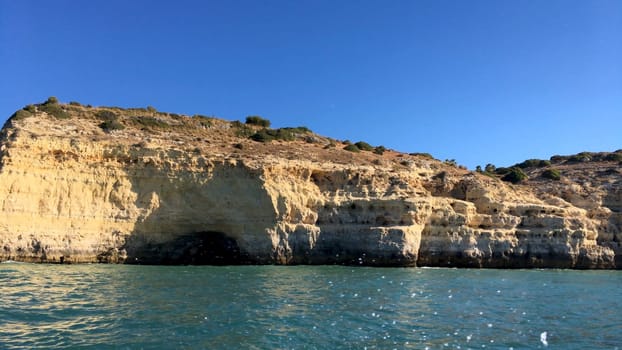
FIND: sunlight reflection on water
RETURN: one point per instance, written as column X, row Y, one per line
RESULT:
column 321, row 307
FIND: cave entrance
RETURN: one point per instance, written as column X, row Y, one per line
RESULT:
column 197, row 248
column 207, row 248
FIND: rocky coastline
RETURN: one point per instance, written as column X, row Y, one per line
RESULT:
column 138, row 186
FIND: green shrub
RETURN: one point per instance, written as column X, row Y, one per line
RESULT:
column 24, row 113
column 267, row 135
column 451, row 162
column 579, row 158
column 54, row 110
column 490, row 168
column 152, row 109
column 533, row 163
column 552, row 174
column 364, row 146
column 21, row 114
column 557, row 159
column 150, row 122
column 380, row 150
column 491, row 175
column 502, row 171
column 311, row 139
column 262, row 136
column 352, row 148
column 302, row 129
column 137, row 110
column 284, row 134
column 515, row 175
column 51, row 101
column 242, row 130
column 106, row 115
column 111, row 124
column 613, row 157
column 424, row 155
column 110, row 120
column 299, row 129
column 257, row 120
column 74, row 103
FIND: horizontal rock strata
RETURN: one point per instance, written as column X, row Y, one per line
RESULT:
column 73, row 193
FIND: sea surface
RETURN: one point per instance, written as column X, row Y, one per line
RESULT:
column 306, row 307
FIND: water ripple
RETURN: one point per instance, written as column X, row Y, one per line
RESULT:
column 269, row 307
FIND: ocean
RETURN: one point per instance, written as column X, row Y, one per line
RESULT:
column 306, row 307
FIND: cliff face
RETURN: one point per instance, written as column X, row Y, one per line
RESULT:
column 184, row 190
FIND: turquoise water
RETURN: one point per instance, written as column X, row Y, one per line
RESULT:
column 306, row 307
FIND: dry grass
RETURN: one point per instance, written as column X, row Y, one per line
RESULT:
column 210, row 136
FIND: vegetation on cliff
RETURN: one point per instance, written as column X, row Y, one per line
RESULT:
column 128, row 176
column 552, row 174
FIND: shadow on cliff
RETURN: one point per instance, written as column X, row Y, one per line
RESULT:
column 196, row 248
column 218, row 217
column 613, row 201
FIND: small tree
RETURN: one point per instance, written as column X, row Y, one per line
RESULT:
column 262, row 136
column 54, row 110
column 111, row 124
column 51, row 101
column 533, row 163
column 364, row 146
column 422, row 154
column 502, row 170
column 614, row 157
column 257, row 120
column 352, row 148
column 106, row 115
column 451, row 162
column 21, row 114
column 380, row 150
column 515, row 175
column 552, row 174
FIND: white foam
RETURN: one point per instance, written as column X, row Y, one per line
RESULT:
column 543, row 339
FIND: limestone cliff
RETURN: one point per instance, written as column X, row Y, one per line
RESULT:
column 140, row 186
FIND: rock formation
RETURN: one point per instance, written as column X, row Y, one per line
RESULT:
column 140, row 186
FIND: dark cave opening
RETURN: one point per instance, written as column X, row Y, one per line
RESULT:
column 197, row 248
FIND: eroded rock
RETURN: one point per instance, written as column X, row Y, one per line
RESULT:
column 72, row 193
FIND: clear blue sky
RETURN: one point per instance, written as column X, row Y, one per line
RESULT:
column 478, row 81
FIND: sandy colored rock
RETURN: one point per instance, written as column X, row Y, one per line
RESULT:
column 187, row 191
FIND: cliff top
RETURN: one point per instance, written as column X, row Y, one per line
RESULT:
column 254, row 140
column 251, row 139
column 120, row 185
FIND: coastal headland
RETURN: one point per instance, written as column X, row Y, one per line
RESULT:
column 83, row 184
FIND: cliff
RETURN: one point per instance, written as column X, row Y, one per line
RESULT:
column 83, row 184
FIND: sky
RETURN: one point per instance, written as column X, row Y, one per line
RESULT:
column 476, row 81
